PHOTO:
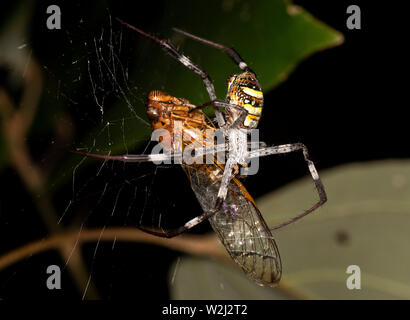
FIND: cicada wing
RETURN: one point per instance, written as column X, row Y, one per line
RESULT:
column 239, row 225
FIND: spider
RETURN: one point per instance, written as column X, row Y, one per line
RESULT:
column 242, row 111
column 238, row 223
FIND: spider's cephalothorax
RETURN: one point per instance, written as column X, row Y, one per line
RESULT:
column 244, row 91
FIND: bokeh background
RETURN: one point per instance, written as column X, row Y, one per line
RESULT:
column 84, row 87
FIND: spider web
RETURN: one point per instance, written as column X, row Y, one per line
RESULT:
column 104, row 194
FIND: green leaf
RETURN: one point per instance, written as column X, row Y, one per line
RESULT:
column 364, row 223
column 272, row 36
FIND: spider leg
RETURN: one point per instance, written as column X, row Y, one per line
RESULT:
column 286, row 148
column 174, row 232
column 219, row 103
column 128, row 157
column 170, row 48
column 226, row 179
column 241, row 119
column 199, row 152
column 230, row 51
column 224, row 104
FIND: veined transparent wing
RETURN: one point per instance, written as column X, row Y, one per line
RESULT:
column 239, row 224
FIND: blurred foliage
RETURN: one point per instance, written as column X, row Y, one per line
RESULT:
column 364, row 223
column 13, row 60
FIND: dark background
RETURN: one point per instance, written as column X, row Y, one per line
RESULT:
column 354, row 102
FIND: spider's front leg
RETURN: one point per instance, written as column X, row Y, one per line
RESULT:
column 184, row 60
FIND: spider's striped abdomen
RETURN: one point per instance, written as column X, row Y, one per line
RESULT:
column 245, row 91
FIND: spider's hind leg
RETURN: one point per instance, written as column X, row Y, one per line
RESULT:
column 286, row 148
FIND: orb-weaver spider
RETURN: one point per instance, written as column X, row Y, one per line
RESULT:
column 242, row 111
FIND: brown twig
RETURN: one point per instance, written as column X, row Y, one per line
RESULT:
column 196, row 245
column 207, row 246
